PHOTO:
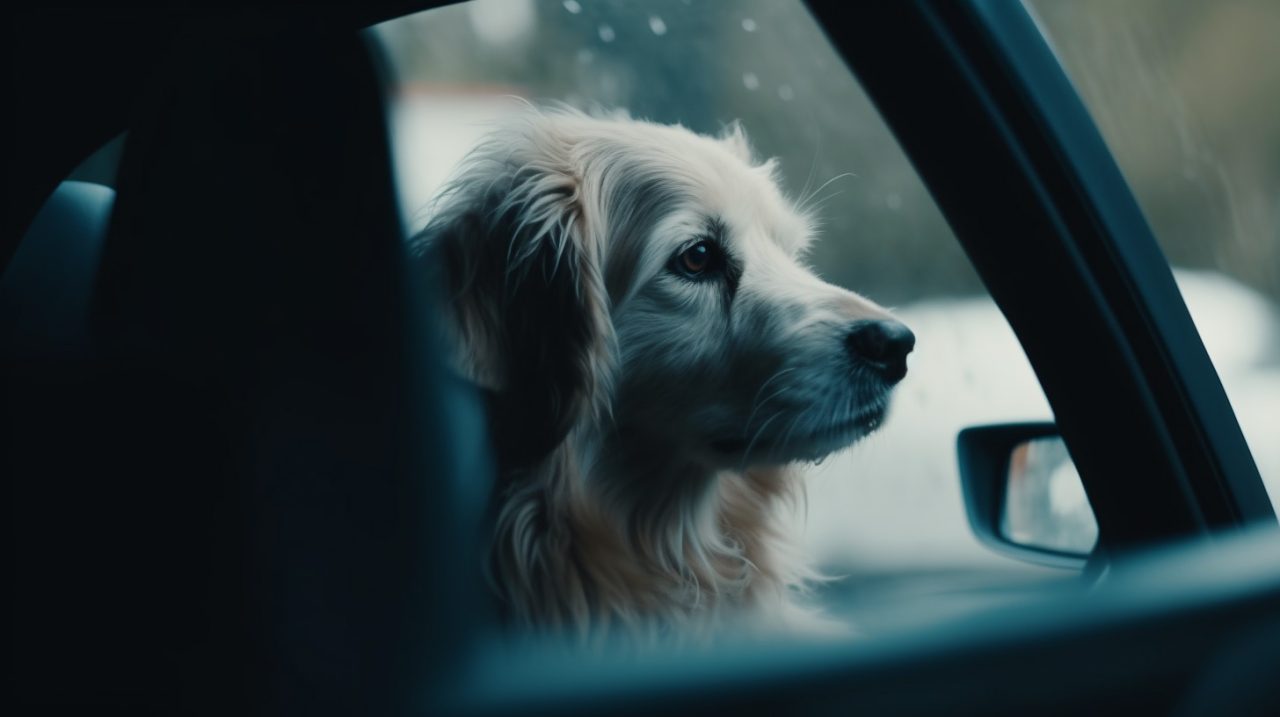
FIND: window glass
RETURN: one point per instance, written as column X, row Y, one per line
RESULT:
column 1187, row 95
column 888, row 513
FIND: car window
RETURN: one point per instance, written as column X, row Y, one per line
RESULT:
column 888, row 513
column 1187, row 96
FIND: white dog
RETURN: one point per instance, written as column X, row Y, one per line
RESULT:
column 633, row 298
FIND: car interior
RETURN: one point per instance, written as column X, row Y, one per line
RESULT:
column 242, row 479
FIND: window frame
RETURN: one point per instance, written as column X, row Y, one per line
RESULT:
column 974, row 83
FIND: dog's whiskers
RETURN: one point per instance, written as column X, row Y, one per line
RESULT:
column 813, row 166
column 804, row 204
column 817, row 204
column 757, row 404
column 746, row 453
column 791, row 427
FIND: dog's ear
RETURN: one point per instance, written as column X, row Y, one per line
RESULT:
column 528, row 306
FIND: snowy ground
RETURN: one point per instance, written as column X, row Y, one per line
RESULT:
column 894, row 501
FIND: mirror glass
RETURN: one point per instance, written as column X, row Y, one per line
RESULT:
column 1045, row 506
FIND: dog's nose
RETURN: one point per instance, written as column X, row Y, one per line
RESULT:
column 884, row 345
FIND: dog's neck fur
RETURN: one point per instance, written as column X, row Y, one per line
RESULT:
column 585, row 541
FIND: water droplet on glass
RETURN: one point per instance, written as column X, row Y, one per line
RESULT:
column 785, row 93
column 748, row 24
column 502, row 23
column 657, row 25
column 606, row 33
column 572, row 6
column 585, row 56
column 750, row 81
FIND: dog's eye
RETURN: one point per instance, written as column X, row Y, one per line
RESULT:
column 698, row 260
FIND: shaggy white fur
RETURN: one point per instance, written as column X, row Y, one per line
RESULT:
column 633, row 298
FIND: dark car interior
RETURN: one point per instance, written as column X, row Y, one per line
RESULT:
column 241, row 480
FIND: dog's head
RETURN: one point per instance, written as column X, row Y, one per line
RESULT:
column 606, row 267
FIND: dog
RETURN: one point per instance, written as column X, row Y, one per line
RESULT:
column 658, row 359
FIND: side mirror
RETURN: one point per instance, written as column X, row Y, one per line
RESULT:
column 1023, row 495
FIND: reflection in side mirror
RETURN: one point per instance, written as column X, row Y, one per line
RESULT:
column 1045, row 505
column 1023, row 495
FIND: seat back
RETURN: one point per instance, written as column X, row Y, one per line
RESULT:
column 252, row 497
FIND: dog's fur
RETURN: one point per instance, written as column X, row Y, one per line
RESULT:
column 644, row 421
